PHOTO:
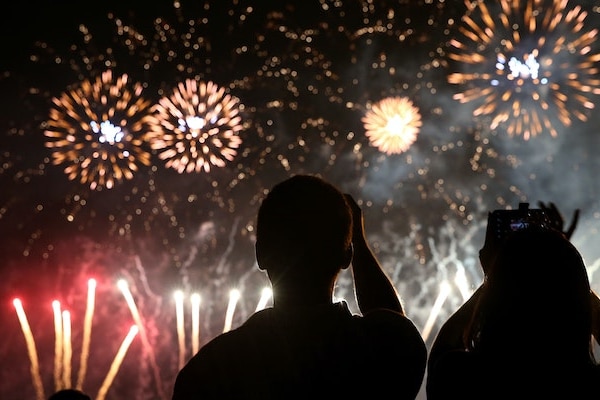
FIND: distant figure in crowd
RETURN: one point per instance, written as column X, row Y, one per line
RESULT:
column 307, row 346
column 69, row 394
column 529, row 334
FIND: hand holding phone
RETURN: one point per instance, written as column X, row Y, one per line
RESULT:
column 502, row 223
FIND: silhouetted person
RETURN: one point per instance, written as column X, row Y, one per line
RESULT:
column 307, row 346
column 530, row 334
column 69, row 394
column 450, row 335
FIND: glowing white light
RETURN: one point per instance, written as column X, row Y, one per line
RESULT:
column 109, row 133
column 178, row 295
column 528, row 69
column 265, row 295
column 195, row 123
column 234, row 296
column 195, row 300
column 435, row 310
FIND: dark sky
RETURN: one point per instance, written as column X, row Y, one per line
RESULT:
column 304, row 74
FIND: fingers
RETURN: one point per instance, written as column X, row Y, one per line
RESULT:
column 573, row 225
column 555, row 216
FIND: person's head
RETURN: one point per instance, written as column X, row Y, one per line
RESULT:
column 536, row 294
column 304, row 232
column 69, row 394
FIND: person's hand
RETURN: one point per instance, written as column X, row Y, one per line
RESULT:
column 557, row 220
column 490, row 247
column 357, row 218
column 374, row 289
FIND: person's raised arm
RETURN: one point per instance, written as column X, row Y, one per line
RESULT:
column 374, row 289
column 450, row 336
column 595, row 315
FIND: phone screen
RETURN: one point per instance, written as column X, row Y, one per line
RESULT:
column 504, row 222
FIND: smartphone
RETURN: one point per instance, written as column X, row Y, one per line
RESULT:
column 503, row 222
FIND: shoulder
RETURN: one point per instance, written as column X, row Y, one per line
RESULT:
column 207, row 374
column 391, row 326
column 229, row 344
column 453, row 358
column 250, row 337
column 395, row 331
column 455, row 374
column 391, row 338
column 382, row 318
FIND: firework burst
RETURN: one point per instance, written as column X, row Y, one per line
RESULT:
column 392, row 125
column 529, row 64
column 95, row 131
column 196, row 127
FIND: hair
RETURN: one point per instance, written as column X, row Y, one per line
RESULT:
column 537, row 294
column 304, row 221
column 69, row 394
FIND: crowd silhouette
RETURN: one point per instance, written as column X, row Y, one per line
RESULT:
column 528, row 331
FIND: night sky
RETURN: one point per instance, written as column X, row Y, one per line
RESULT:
column 288, row 86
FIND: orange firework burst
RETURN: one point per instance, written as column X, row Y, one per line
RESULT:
column 196, row 127
column 392, row 125
column 527, row 63
column 95, row 130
